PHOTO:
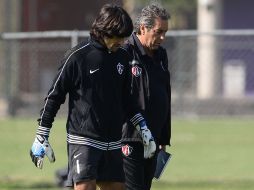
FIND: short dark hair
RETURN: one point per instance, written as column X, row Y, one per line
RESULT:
column 112, row 21
column 148, row 16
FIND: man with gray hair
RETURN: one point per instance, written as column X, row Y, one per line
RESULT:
column 151, row 63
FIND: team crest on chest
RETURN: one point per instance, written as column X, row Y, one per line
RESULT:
column 120, row 68
column 126, row 150
column 136, row 71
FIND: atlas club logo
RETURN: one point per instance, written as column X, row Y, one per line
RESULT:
column 136, row 71
column 126, row 150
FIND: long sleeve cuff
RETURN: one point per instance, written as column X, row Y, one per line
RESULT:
column 136, row 119
column 43, row 131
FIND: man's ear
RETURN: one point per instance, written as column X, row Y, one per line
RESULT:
column 142, row 29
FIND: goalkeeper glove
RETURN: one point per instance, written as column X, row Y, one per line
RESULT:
column 40, row 148
column 148, row 140
column 149, row 150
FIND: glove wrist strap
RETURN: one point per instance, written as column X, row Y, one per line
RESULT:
column 141, row 126
column 41, row 138
column 139, row 122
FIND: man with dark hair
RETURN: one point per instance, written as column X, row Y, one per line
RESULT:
column 97, row 78
column 151, row 62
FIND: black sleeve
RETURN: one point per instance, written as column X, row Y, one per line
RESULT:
column 166, row 130
column 134, row 95
column 56, row 95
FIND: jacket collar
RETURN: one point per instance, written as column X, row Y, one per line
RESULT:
column 136, row 43
column 97, row 44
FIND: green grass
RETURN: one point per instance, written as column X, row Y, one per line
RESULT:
column 208, row 154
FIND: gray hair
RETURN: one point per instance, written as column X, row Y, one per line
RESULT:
column 148, row 16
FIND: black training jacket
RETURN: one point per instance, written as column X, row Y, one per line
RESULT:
column 154, row 92
column 101, row 96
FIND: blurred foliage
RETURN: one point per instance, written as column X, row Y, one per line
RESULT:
column 183, row 12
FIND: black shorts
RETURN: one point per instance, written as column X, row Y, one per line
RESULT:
column 87, row 163
column 139, row 172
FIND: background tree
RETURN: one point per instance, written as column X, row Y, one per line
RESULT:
column 183, row 12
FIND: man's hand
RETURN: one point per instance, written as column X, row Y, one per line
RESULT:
column 40, row 148
column 162, row 147
column 148, row 140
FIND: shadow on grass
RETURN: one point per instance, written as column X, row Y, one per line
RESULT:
column 237, row 184
column 11, row 185
column 162, row 185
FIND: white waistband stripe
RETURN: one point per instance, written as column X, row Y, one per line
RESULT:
column 72, row 139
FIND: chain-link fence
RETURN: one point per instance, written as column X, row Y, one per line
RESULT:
column 211, row 73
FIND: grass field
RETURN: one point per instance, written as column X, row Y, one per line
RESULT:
column 211, row 154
